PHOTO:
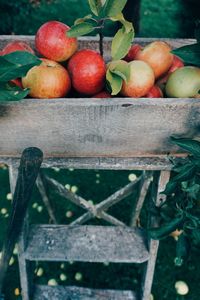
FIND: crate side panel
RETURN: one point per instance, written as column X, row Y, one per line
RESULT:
column 96, row 128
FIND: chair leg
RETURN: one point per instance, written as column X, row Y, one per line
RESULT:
column 21, row 184
column 154, row 244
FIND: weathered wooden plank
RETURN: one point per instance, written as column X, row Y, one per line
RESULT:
column 43, row 292
column 143, row 189
column 86, row 243
column 154, row 244
column 28, row 170
column 92, row 42
column 91, row 128
column 109, row 163
column 25, row 268
column 43, row 192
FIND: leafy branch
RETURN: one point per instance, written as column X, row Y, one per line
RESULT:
column 182, row 208
column 95, row 22
column 12, row 66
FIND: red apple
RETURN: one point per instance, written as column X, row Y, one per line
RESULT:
column 141, row 80
column 132, row 52
column 158, row 55
column 88, row 71
column 154, row 92
column 16, row 46
column 48, row 80
column 176, row 64
column 17, row 82
column 53, row 43
column 103, row 94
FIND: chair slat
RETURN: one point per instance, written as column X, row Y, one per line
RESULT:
column 86, row 243
column 78, row 293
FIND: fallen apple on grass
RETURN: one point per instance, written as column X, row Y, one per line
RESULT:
column 87, row 70
column 48, row 80
column 52, row 42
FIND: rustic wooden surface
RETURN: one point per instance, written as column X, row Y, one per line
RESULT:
column 86, row 243
column 154, row 244
column 78, row 293
column 28, row 171
column 91, row 128
column 108, row 163
column 119, row 127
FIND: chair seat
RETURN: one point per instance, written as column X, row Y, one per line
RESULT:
column 86, row 243
column 44, row 292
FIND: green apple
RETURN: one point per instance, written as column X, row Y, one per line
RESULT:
column 184, row 83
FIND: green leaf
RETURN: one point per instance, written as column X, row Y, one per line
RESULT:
column 95, row 6
column 80, row 29
column 127, row 25
column 195, row 235
column 22, row 58
column 192, row 190
column 9, row 92
column 112, row 8
column 82, row 20
column 121, row 43
column 182, row 249
column 16, row 65
column 189, row 145
column 120, row 68
column 170, row 187
column 165, row 230
column 186, row 174
column 189, row 54
column 114, row 81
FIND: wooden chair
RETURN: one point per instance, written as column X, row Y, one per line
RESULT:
column 112, row 134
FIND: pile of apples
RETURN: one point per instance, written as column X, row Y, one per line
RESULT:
column 154, row 70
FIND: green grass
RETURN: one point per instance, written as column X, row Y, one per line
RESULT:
column 96, row 186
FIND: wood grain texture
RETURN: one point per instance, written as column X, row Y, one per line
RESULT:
column 119, row 127
column 28, row 170
column 103, row 128
column 154, row 244
column 78, row 293
column 86, row 243
column 99, row 163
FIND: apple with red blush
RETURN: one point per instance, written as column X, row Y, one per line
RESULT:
column 52, row 42
column 87, row 70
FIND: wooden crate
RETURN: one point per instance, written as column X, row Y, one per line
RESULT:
column 101, row 130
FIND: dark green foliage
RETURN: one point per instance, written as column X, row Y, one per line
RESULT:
column 12, row 66
column 183, row 211
column 189, row 54
column 25, row 17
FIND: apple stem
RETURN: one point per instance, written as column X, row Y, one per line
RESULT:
column 101, row 26
column 101, row 43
